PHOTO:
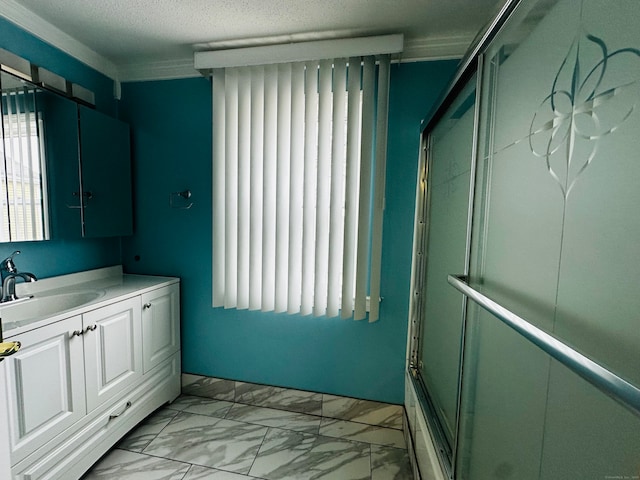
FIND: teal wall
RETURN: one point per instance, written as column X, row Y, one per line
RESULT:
column 171, row 125
column 27, row 46
column 51, row 258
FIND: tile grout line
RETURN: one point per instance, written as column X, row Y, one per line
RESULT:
column 225, row 417
column 178, row 412
column 283, row 409
column 369, row 447
column 161, row 430
column 318, row 430
column 265, row 385
column 147, row 455
column 283, row 390
column 258, row 452
column 187, row 472
column 303, row 432
column 185, row 463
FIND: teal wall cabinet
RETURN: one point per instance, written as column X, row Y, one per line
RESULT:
column 105, row 186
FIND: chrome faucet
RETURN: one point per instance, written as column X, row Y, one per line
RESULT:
column 10, row 274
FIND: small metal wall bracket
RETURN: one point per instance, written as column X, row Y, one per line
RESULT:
column 179, row 200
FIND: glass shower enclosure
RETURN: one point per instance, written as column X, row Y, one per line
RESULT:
column 525, row 312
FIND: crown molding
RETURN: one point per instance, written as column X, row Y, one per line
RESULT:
column 37, row 26
column 424, row 48
column 436, row 48
column 159, row 70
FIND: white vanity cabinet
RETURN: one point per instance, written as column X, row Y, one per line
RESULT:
column 79, row 384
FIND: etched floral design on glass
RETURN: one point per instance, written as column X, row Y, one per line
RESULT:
column 589, row 99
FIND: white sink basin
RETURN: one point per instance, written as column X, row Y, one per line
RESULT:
column 25, row 311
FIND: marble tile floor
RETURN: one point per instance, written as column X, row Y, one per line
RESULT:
column 199, row 438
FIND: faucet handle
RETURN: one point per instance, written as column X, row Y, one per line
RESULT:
column 7, row 263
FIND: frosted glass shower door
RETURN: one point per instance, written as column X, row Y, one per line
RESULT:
column 556, row 241
column 450, row 153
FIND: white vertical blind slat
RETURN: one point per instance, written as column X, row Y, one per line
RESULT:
column 323, row 195
column 338, row 153
column 4, row 203
column 218, row 136
column 256, row 193
column 379, row 187
column 351, row 186
column 231, row 193
column 366, row 161
column 283, row 187
column 310, row 182
column 293, row 167
column 16, row 150
column 269, row 187
column 27, row 180
column 25, row 164
column 296, row 193
column 43, row 180
column 244, row 182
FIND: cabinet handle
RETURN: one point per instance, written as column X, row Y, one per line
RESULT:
column 86, row 195
column 90, row 328
column 146, row 305
column 116, row 415
column 77, row 333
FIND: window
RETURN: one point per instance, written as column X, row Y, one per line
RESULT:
column 298, row 186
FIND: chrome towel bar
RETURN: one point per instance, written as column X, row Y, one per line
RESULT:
column 606, row 381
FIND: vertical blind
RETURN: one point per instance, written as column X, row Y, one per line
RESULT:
column 299, row 158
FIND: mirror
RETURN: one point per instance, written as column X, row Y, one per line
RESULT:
column 23, row 206
column 66, row 168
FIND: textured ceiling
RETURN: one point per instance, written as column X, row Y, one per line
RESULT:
column 138, row 31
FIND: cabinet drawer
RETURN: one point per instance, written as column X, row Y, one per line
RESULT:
column 44, row 386
column 113, row 358
column 160, row 325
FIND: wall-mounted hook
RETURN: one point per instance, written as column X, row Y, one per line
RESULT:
column 179, row 200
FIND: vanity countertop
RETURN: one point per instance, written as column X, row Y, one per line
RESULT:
column 57, row 298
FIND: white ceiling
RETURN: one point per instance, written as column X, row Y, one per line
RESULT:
column 131, row 39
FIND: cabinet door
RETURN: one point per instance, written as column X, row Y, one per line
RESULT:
column 62, row 173
column 160, row 325
column 44, row 385
column 105, row 158
column 113, row 353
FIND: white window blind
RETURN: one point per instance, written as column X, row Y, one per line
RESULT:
column 299, row 158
